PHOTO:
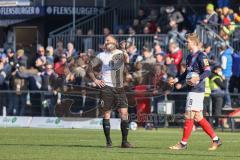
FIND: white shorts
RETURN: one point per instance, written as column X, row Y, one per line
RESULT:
column 194, row 101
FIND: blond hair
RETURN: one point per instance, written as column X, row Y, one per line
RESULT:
column 194, row 38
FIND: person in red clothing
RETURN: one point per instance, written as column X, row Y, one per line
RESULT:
column 60, row 66
column 176, row 54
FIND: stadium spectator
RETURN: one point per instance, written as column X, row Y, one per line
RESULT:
column 71, row 52
column 147, row 55
column 234, row 85
column 226, row 64
column 5, row 72
column 11, row 56
column 58, row 51
column 137, row 26
column 19, row 84
column 211, row 18
column 60, row 67
column 160, row 58
column 175, row 17
column 212, row 57
column 50, row 54
column 133, row 54
column 132, row 33
column 142, row 17
column 217, row 87
column 206, row 101
column 88, row 41
column 139, row 75
column 49, row 79
column 106, row 31
column 146, row 30
column 160, row 85
column 226, row 16
column 171, row 67
column 153, row 16
column 120, row 32
column 158, row 49
column 40, row 53
column 175, row 53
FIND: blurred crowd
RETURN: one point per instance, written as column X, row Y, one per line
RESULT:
column 54, row 69
column 175, row 22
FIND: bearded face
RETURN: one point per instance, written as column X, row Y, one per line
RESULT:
column 110, row 46
column 110, row 43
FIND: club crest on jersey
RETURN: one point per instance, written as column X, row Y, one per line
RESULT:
column 205, row 61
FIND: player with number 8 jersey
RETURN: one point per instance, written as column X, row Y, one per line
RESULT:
column 193, row 79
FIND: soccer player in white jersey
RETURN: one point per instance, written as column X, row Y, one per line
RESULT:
column 112, row 94
column 197, row 64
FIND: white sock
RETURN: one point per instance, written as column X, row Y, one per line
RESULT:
column 215, row 138
column 184, row 143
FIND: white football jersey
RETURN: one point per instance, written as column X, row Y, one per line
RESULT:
column 112, row 68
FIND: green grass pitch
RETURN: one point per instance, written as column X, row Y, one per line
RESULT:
column 77, row 144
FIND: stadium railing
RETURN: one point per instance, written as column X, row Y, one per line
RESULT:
column 210, row 34
column 115, row 13
column 95, row 41
column 85, row 42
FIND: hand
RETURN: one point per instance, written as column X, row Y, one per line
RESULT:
column 178, row 86
column 99, row 83
column 205, row 21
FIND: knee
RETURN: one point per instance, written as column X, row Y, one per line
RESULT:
column 107, row 115
column 198, row 116
column 123, row 114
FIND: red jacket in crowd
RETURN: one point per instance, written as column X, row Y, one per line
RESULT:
column 177, row 57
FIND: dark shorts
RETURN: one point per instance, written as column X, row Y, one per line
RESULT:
column 113, row 98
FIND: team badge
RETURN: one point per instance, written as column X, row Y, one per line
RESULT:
column 205, row 61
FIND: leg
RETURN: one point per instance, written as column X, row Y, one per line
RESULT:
column 218, row 109
column 124, row 123
column 188, row 126
column 187, row 130
column 16, row 105
column 228, row 103
column 23, row 104
column 207, row 129
column 194, row 102
column 107, row 103
column 124, row 127
column 107, row 127
column 122, row 104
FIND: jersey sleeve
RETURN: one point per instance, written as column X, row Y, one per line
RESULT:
column 204, row 65
column 204, row 62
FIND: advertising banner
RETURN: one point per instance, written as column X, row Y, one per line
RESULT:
column 14, row 121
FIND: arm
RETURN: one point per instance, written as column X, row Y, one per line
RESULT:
column 220, row 83
column 90, row 71
column 95, row 62
column 224, row 62
column 204, row 63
